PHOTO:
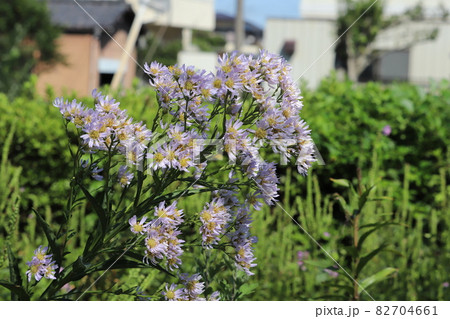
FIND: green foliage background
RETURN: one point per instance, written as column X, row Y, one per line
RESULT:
column 27, row 37
column 410, row 168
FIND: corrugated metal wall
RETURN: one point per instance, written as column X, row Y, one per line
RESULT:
column 431, row 59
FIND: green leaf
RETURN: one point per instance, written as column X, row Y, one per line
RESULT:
column 16, row 289
column 381, row 198
column 97, row 207
column 379, row 276
column 367, row 233
column 341, row 182
column 14, row 272
column 363, row 199
column 121, row 262
column 51, row 238
column 322, row 263
column 365, row 259
column 247, row 289
column 343, row 204
column 13, row 267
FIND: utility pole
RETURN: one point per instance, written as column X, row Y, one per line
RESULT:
column 239, row 28
column 129, row 46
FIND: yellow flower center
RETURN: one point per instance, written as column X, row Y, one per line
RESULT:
column 78, row 120
column 226, row 68
column 122, row 135
column 189, row 85
column 287, row 113
column 177, row 136
column 206, row 93
column 260, row 133
column 34, row 269
column 132, row 157
column 229, row 83
column 271, row 121
column 151, row 243
column 184, row 162
column 158, row 157
column 217, row 83
column 138, row 228
column 94, row 134
column 40, row 256
column 191, row 285
column 170, row 294
column 211, row 225
column 206, row 216
column 232, row 130
column 161, row 212
column 171, row 155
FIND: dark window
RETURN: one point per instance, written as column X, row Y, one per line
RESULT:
column 106, row 78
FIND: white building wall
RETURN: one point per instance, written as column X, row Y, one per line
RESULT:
column 312, row 59
column 193, row 14
column 431, row 59
column 201, row 60
column 427, row 59
column 329, row 9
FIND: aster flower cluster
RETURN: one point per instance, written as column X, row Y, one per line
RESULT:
column 177, row 151
column 249, row 103
column 237, row 230
column 107, row 128
column 262, row 103
column 161, row 240
column 191, row 290
column 41, row 265
column 242, row 240
column 214, row 218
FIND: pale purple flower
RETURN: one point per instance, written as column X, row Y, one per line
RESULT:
column 267, row 181
column 49, row 270
column 156, row 246
column 96, row 173
column 138, row 227
column 301, row 256
column 445, row 284
column 193, row 287
column 215, row 296
column 106, row 105
column 41, row 254
column 331, row 273
column 214, row 218
column 95, row 136
column 41, row 265
column 171, row 293
column 387, row 130
column 35, row 269
column 242, row 241
column 124, row 176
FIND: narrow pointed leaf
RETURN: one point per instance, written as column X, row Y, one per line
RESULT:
column 363, row 199
column 16, row 289
column 379, row 276
column 341, row 182
column 51, row 238
column 369, row 232
column 97, row 207
column 365, row 259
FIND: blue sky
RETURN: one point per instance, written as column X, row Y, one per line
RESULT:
column 257, row 11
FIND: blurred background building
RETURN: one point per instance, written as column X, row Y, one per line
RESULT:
column 194, row 32
column 95, row 33
column 403, row 55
